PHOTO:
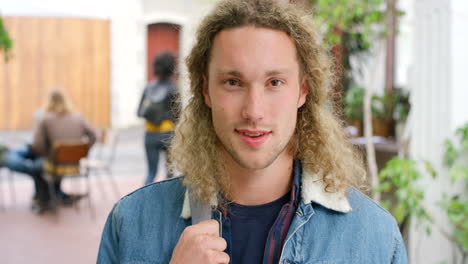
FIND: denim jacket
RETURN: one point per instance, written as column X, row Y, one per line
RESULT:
column 144, row 227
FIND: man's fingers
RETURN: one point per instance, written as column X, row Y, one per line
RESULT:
column 211, row 242
column 201, row 243
column 208, row 227
column 219, row 244
column 220, row 257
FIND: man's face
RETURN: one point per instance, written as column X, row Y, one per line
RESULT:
column 254, row 92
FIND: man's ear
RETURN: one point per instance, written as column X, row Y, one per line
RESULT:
column 206, row 93
column 304, row 91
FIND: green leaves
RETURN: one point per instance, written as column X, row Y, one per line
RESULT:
column 5, row 42
column 400, row 175
column 458, row 173
column 430, row 169
column 354, row 100
column 402, row 104
column 457, row 212
column 399, row 212
column 451, row 153
column 375, row 16
column 456, row 206
column 353, row 16
column 383, row 105
column 353, row 26
column 462, row 132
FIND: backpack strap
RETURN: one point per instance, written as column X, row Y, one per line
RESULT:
column 200, row 211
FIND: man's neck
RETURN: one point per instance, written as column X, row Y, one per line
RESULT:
column 255, row 187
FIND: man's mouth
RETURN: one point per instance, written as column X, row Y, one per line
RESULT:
column 253, row 137
column 253, row 134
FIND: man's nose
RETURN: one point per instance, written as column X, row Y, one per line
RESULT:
column 254, row 105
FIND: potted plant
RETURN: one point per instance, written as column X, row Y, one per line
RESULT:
column 402, row 104
column 354, row 100
column 400, row 115
column 382, row 111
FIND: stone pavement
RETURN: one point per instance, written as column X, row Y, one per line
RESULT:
column 73, row 235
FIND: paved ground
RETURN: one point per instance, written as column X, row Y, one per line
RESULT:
column 71, row 236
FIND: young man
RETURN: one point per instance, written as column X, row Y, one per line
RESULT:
column 259, row 143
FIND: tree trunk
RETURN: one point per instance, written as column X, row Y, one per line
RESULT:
column 370, row 149
column 390, row 49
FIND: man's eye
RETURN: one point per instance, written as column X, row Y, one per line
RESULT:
column 276, row 82
column 231, row 82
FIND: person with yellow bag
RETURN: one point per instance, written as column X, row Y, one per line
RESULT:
column 156, row 108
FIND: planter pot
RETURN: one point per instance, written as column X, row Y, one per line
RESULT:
column 399, row 130
column 358, row 125
column 381, row 127
column 402, row 138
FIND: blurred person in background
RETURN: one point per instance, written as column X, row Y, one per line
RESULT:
column 156, row 107
column 57, row 122
column 22, row 159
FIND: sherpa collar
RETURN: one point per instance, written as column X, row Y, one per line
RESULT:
column 312, row 190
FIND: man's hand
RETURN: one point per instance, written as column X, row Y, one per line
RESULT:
column 201, row 243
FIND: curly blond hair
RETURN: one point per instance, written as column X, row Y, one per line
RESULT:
column 319, row 140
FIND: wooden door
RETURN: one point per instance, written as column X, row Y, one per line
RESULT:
column 161, row 37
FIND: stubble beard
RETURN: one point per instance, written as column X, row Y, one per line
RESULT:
column 228, row 153
column 272, row 156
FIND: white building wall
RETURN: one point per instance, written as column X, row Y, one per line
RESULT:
column 430, row 86
column 459, row 65
column 56, row 8
column 128, row 59
column 439, row 94
column 404, row 44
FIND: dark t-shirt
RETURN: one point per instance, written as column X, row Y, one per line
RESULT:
column 250, row 226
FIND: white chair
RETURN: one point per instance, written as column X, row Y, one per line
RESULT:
column 8, row 174
column 101, row 159
column 4, row 172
